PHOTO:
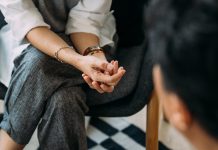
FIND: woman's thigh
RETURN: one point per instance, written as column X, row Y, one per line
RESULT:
column 35, row 79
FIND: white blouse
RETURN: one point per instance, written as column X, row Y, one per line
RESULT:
column 22, row 16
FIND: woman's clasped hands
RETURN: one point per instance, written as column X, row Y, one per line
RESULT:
column 100, row 74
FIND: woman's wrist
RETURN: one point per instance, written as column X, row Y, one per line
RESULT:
column 68, row 55
column 100, row 55
column 84, row 62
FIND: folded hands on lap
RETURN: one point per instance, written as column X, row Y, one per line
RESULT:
column 101, row 75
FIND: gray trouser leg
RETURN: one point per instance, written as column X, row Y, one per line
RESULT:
column 35, row 92
column 62, row 126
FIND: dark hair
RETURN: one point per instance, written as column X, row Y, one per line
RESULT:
column 183, row 36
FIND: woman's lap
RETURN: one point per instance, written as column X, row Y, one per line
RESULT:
column 36, row 77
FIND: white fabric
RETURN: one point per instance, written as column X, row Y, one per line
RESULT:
column 99, row 18
column 89, row 16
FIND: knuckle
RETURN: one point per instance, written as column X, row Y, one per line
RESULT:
column 102, row 64
column 94, row 77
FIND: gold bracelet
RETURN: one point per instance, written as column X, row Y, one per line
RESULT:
column 92, row 50
column 57, row 52
column 95, row 51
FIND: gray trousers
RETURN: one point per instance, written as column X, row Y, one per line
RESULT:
column 49, row 94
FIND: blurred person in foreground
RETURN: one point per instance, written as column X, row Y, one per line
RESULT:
column 183, row 34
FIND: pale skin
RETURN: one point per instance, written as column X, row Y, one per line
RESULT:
column 99, row 74
column 179, row 116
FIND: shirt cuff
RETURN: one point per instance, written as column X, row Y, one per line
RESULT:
column 108, row 31
column 94, row 23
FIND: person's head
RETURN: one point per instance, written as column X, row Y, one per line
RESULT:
column 183, row 35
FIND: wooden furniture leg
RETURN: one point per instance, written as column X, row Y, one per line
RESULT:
column 152, row 123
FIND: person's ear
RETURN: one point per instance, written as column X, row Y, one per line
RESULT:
column 174, row 109
column 179, row 116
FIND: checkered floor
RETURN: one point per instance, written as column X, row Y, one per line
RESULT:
column 115, row 134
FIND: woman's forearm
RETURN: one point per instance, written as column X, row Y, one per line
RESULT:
column 81, row 41
column 48, row 42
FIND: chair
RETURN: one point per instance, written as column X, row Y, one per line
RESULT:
column 152, row 123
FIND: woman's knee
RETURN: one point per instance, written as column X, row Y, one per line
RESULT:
column 71, row 99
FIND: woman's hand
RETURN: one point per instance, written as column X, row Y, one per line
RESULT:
column 105, row 87
column 111, row 70
column 98, row 71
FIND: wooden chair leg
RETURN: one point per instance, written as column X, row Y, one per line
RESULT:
column 152, row 123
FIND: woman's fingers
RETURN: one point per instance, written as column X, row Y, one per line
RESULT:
column 103, row 76
column 117, row 77
column 115, row 69
column 107, row 88
column 92, row 84
column 110, row 68
column 107, row 79
column 100, row 87
column 88, row 80
column 97, row 87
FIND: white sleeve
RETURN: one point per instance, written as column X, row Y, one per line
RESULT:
column 93, row 16
column 22, row 16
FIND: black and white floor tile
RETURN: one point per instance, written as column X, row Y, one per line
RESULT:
column 115, row 134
